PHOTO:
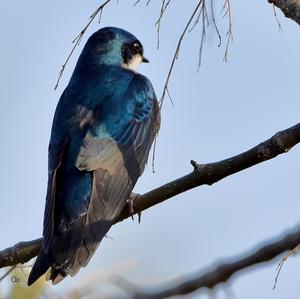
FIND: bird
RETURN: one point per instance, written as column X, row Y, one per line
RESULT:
column 104, row 125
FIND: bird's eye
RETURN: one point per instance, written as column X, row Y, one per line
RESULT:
column 136, row 47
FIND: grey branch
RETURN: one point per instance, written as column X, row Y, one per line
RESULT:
column 205, row 174
column 290, row 8
column 222, row 272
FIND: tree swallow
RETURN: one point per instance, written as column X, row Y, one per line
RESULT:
column 103, row 128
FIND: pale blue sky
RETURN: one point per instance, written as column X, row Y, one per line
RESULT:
column 223, row 110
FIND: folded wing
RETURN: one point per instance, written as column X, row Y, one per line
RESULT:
column 84, row 198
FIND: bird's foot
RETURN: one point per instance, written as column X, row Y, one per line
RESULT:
column 130, row 200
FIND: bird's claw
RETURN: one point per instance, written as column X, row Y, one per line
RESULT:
column 130, row 200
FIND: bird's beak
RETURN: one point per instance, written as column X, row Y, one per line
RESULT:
column 144, row 59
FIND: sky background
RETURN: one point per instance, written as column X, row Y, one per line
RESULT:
column 221, row 111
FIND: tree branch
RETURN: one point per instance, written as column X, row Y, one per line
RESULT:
column 222, row 272
column 290, row 8
column 205, row 174
column 20, row 253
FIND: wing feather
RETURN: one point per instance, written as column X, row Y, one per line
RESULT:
column 117, row 162
column 83, row 199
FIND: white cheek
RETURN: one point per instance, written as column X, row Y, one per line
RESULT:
column 133, row 63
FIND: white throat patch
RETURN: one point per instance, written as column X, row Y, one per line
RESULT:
column 133, row 63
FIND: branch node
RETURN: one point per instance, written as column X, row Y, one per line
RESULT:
column 279, row 140
column 197, row 167
column 194, row 164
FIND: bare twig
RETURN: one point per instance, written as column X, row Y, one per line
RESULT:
column 177, row 52
column 227, row 6
column 7, row 273
column 283, row 260
column 205, row 23
column 153, row 154
column 214, row 22
column 158, row 22
column 206, row 174
column 138, row 1
column 203, row 34
column 276, row 17
column 78, row 38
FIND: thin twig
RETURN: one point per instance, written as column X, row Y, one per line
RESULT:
column 7, row 273
column 158, row 21
column 283, row 260
column 276, row 17
column 78, row 38
column 203, row 34
column 153, row 154
column 138, row 1
column 163, row 9
column 214, row 22
column 197, row 20
column 177, row 53
column 229, row 32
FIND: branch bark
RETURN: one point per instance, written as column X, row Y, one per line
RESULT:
column 205, row 174
column 290, row 8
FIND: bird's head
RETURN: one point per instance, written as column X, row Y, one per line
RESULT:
column 115, row 47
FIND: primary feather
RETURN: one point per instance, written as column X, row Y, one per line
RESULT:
column 103, row 128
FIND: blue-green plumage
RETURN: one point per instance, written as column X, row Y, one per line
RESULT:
column 103, row 128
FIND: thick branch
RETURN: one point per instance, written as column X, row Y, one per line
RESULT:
column 20, row 253
column 222, row 272
column 208, row 174
column 201, row 175
column 290, row 8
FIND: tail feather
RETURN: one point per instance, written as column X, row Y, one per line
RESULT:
column 41, row 265
column 72, row 248
column 90, row 242
column 55, row 276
